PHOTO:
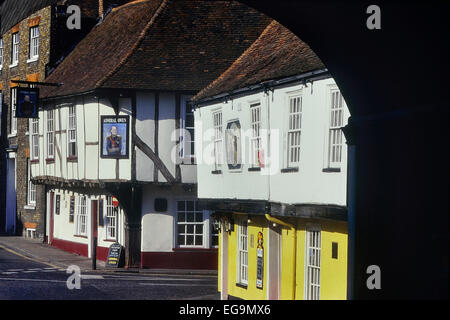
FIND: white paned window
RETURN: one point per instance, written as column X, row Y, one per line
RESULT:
column 15, row 49
column 242, row 257
column 335, row 137
column 31, row 190
column 1, row 53
column 190, row 225
column 35, row 138
column 82, row 216
column 50, row 134
column 111, row 220
column 187, row 132
column 34, row 42
column 72, row 133
column 255, row 112
column 218, row 138
column 312, row 264
column 13, row 127
column 294, row 130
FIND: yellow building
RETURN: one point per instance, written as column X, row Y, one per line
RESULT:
column 286, row 242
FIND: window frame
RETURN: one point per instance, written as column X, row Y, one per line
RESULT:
column 33, row 40
column 34, row 137
column 1, row 53
column 112, row 214
column 31, row 187
column 185, row 223
column 72, row 129
column 218, row 138
column 309, row 294
column 81, row 216
column 293, row 160
column 13, row 106
column 15, row 49
column 242, row 251
column 184, row 130
column 334, row 131
column 50, row 133
column 255, row 139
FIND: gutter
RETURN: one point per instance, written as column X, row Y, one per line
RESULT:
column 316, row 75
column 294, row 260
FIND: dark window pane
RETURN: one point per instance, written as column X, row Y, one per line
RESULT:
column 181, row 240
column 189, row 240
column 190, row 205
column 215, row 241
column 190, row 228
column 190, row 217
column 198, row 240
column 181, row 217
column 181, row 228
column 180, row 206
column 199, row 229
column 198, row 217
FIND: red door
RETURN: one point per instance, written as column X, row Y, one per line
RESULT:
column 52, row 195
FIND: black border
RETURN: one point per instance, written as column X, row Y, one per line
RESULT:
column 127, row 155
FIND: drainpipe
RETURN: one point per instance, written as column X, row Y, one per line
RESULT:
column 294, row 260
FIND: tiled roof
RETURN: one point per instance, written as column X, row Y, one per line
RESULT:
column 159, row 45
column 277, row 53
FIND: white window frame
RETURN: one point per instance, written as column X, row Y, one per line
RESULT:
column 255, row 140
column 50, row 134
column 1, row 53
column 34, row 150
column 111, row 219
column 184, row 224
column 72, row 131
column 335, row 134
column 242, row 252
column 15, row 39
column 218, row 138
column 313, row 250
column 31, row 187
column 33, row 54
column 294, row 130
column 13, row 121
column 184, row 141
column 81, row 216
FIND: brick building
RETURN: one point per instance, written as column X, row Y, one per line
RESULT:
column 34, row 40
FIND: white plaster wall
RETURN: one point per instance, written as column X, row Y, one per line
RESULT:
column 158, row 228
column 310, row 184
column 145, row 129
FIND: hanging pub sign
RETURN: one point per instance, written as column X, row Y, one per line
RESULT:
column 27, row 101
column 115, row 139
column 260, row 262
column 233, row 144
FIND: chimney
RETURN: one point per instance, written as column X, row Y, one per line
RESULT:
column 100, row 9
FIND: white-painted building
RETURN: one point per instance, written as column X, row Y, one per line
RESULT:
column 130, row 82
column 272, row 167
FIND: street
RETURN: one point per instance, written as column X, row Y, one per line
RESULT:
column 25, row 279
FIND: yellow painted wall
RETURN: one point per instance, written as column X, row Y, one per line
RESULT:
column 251, row 292
column 333, row 274
column 333, row 281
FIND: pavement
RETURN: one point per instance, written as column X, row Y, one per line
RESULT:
column 35, row 250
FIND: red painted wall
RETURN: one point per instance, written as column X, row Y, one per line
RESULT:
column 181, row 259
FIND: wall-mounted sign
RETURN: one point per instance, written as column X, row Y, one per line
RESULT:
column 114, row 255
column 115, row 138
column 260, row 262
column 72, row 208
column 27, row 102
column 233, row 144
column 58, row 204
